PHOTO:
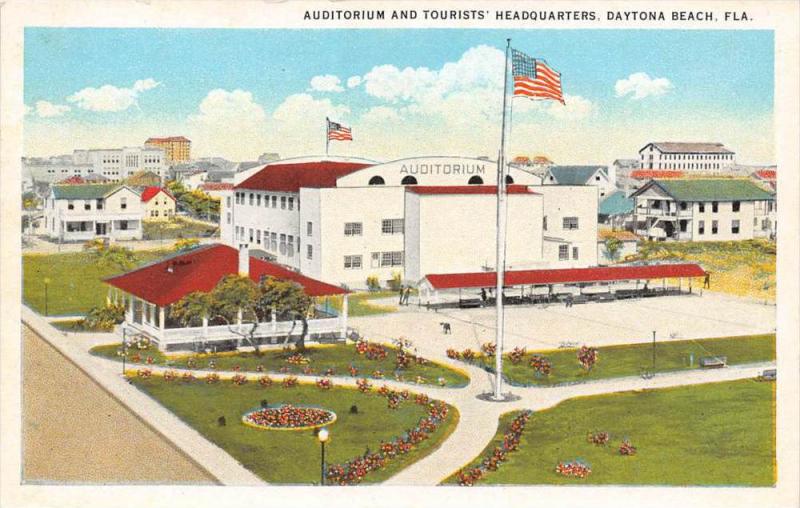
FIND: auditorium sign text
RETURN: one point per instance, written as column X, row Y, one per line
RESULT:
column 443, row 169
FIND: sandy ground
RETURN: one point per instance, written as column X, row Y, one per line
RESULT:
column 75, row 432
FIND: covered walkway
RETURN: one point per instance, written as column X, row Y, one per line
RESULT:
column 573, row 285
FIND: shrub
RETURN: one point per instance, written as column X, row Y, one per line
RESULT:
column 103, row 318
column 373, row 284
column 396, row 281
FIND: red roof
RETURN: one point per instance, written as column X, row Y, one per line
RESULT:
column 767, row 174
column 167, row 139
column 641, row 174
column 565, row 275
column 167, row 281
column 466, row 189
column 150, row 192
column 288, row 177
column 73, row 180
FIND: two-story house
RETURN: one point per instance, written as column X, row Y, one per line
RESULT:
column 704, row 210
column 84, row 212
column 159, row 203
column 596, row 176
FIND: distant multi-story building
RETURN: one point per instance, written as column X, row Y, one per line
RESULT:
column 695, row 157
column 177, row 148
column 115, row 164
column 84, row 212
column 704, row 209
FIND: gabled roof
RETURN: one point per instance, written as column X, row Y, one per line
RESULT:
column 710, row 189
column 85, row 191
column 150, row 192
column 615, row 204
column 574, row 175
column 681, row 147
column 286, row 177
column 466, row 189
column 170, row 279
column 564, row 275
column 766, row 174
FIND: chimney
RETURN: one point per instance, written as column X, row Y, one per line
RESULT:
column 244, row 260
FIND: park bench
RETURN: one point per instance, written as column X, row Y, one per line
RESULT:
column 470, row 303
column 713, row 362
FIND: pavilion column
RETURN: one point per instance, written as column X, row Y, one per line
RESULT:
column 274, row 314
column 205, row 327
column 162, row 317
column 127, row 300
column 343, row 316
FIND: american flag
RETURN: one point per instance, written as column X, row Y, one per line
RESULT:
column 339, row 132
column 534, row 78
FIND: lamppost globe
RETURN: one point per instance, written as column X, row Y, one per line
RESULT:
column 322, row 435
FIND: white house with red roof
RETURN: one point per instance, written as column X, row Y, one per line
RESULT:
column 158, row 202
column 149, row 292
column 344, row 219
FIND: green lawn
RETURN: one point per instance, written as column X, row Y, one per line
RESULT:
column 294, row 456
column 178, row 227
column 339, row 357
column 710, row 434
column 358, row 304
column 75, row 280
column 630, row 359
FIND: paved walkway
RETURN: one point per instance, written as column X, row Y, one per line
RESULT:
column 38, row 245
column 478, row 418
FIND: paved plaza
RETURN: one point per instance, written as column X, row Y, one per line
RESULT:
column 596, row 324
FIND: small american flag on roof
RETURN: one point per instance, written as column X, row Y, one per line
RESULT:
column 534, row 78
column 339, row 132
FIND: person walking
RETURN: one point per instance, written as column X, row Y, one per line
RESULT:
column 401, row 295
column 407, row 294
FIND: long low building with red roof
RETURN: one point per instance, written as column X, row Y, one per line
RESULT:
column 149, row 292
column 344, row 220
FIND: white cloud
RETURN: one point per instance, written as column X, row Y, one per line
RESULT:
column 45, row 109
column 353, row 81
column 641, row 85
column 326, row 83
column 575, row 107
column 110, row 97
column 390, row 83
column 26, row 110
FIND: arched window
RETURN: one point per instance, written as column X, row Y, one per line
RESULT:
column 509, row 180
column 408, row 180
column 376, row 180
column 475, row 180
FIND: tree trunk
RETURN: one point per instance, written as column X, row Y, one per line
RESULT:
column 301, row 342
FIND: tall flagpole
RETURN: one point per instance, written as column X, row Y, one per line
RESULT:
column 502, row 207
column 327, row 135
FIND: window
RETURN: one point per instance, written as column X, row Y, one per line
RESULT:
column 291, row 203
column 597, row 178
column 714, row 227
column 258, row 236
column 764, row 224
column 123, row 225
column 273, row 239
column 309, row 228
column 70, row 205
column 283, row 245
column 701, row 207
column 258, row 199
column 714, row 207
column 735, row 227
column 376, row 260
column 509, row 179
column 87, row 205
column 309, row 251
column 475, row 180
column 290, row 246
column 683, row 225
column 570, row 223
column 563, row 252
column 251, row 199
column 392, row 226
column 392, row 258
column 736, row 206
column 99, row 204
column 544, row 222
column 683, row 205
column 408, row 180
column 377, row 180
column 228, row 217
column 283, row 202
column 250, row 235
column 266, row 200
column 274, row 201
column 574, row 253
column 123, row 203
column 352, row 262
column 352, row 229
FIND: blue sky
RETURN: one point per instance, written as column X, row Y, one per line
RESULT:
column 714, row 85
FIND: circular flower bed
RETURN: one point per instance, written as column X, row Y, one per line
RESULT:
column 289, row 417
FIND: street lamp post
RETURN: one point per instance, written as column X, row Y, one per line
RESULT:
column 123, row 351
column 46, row 283
column 322, row 435
column 654, row 351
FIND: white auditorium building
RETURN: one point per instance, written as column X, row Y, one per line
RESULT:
column 341, row 220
